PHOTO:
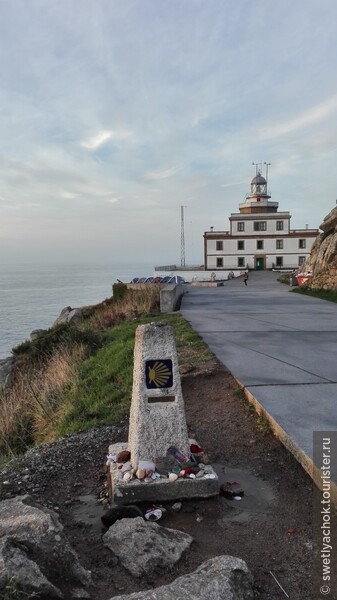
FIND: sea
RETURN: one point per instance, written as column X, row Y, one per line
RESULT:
column 33, row 295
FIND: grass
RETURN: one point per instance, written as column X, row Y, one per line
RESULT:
column 284, row 278
column 73, row 377
column 329, row 295
column 11, row 590
column 263, row 424
column 104, row 389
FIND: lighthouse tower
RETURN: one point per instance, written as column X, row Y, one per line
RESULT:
column 258, row 199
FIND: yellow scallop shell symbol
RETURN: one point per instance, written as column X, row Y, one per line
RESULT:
column 159, row 374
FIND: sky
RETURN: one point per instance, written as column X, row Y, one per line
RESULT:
column 116, row 113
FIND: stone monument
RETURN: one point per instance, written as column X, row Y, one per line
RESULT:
column 157, row 429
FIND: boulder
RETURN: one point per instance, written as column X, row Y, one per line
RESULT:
column 330, row 221
column 6, row 372
column 322, row 262
column 36, row 333
column 220, row 578
column 68, row 315
column 143, row 547
column 35, row 553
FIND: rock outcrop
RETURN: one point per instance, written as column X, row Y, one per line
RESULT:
column 220, row 578
column 35, row 555
column 322, row 261
column 6, row 372
column 144, row 547
column 69, row 315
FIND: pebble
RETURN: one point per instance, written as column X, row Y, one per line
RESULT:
column 140, row 473
column 200, row 474
column 176, row 507
column 207, row 469
column 153, row 514
column 127, row 476
column 173, row 477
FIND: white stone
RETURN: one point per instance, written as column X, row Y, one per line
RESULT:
column 155, row 424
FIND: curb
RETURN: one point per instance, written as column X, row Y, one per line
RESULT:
column 305, row 461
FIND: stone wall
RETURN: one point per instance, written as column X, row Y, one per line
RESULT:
column 322, row 261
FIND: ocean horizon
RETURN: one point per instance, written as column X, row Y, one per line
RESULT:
column 33, row 295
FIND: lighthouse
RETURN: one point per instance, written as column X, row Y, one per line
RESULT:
column 260, row 236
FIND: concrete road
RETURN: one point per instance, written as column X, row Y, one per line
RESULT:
column 281, row 346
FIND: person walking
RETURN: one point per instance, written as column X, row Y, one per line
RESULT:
column 245, row 277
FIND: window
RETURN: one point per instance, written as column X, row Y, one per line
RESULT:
column 260, row 225
column 301, row 243
column 279, row 261
column 279, row 225
column 219, row 262
column 219, row 245
column 259, row 245
column 241, row 226
column 301, row 260
column 241, row 245
column 241, row 261
column 279, row 244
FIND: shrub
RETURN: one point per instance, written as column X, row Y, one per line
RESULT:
column 119, row 291
column 65, row 334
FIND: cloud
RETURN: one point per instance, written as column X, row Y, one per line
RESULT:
column 309, row 117
column 233, row 183
column 98, row 140
column 113, row 200
column 69, row 195
column 163, row 173
column 103, row 137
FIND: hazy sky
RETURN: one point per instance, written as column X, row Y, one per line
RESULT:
column 115, row 113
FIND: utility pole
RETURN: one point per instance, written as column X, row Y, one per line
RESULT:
column 182, row 239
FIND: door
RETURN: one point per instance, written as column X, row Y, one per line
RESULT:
column 260, row 264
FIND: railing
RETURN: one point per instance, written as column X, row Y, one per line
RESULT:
column 179, row 268
column 304, row 231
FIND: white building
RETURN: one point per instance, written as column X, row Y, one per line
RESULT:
column 259, row 237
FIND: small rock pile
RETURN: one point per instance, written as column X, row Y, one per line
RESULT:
column 172, row 467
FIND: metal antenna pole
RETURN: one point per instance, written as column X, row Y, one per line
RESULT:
column 267, row 165
column 182, row 229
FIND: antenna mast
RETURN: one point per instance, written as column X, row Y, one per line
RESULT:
column 182, row 238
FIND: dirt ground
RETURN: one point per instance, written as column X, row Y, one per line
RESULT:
column 271, row 528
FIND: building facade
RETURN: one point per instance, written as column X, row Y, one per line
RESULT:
column 259, row 238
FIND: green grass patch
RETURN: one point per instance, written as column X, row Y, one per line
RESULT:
column 284, row 278
column 102, row 394
column 329, row 295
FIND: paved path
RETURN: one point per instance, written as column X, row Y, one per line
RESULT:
column 281, row 346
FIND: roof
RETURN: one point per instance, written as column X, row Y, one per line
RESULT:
column 258, row 179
